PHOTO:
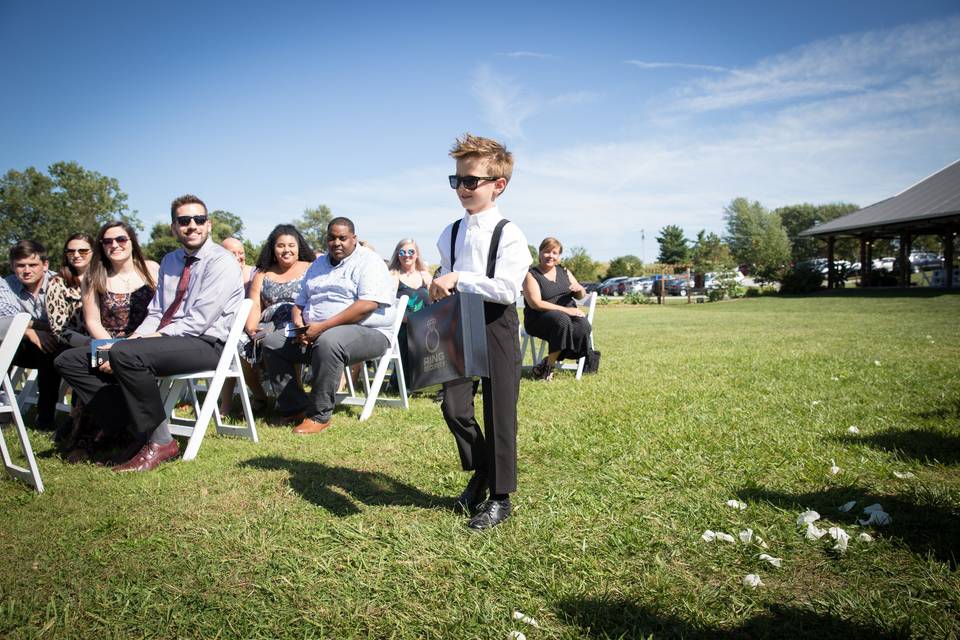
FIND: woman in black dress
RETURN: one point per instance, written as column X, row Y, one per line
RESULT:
column 551, row 313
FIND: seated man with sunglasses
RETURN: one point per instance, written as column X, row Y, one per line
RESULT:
column 25, row 290
column 198, row 292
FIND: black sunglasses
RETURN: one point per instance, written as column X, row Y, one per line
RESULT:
column 184, row 221
column 469, row 182
column 120, row 240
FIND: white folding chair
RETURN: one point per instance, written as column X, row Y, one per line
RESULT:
column 537, row 348
column 8, row 404
column 372, row 390
column 173, row 388
column 30, row 391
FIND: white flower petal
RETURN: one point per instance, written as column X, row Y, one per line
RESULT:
column 813, row 533
column 847, row 506
column 777, row 562
column 753, row 581
column 746, row 536
column 807, row 517
column 736, row 504
column 865, row 537
column 709, row 536
column 522, row 617
column 904, row 475
column 853, row 429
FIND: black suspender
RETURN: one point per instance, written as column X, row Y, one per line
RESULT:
column 494, row 246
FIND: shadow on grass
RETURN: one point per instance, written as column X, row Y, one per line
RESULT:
column 325, row 486
column 923, row 528
column 918, row 444
column 621, row 618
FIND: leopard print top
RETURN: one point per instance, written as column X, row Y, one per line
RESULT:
column 64, row 307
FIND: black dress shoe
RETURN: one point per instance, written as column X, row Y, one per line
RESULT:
column 492, row 513
column 473, row 496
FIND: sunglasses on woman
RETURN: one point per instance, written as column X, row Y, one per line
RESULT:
column 120, row 240
column 406, row 252
column 79, row 252
column 469, row 182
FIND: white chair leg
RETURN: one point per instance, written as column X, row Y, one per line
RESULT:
column 374, row 390
column 31, row 473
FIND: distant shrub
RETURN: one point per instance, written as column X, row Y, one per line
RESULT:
column 637, row 298
column 752, row 292
column 803, row 278
column 715, row 295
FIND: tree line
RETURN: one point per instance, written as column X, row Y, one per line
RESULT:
column 49, row 207
column 67, row 199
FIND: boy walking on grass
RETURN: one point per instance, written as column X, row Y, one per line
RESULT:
column 483, row 253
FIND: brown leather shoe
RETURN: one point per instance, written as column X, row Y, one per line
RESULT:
column 150, row 456
column 309, row 425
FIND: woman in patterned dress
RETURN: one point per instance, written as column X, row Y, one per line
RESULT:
column 117, row 290
column 550, row 312
column 64, row 294
column 283, row 261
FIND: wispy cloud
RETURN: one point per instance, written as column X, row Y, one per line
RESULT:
column 678, row 65
column 530, row 54
column 577, row 97
column 866, row 63
column 506, row 104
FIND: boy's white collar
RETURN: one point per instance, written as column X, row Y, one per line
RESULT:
column 475, row 219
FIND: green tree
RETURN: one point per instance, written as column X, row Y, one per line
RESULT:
column 628, row 265
column 162, row 241
column 800, row 217
column 534, row 254
column 674, row 248
column 225, row 225
column 313, row 226
column 710, row 254
column 579, row 262
column 757, row 237
column 49, row 208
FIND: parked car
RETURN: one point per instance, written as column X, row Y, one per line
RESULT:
column 925, row 260
column 590, row 287
column 672, row 286
column 609, row 286
column 628, row 286
column 638, row 285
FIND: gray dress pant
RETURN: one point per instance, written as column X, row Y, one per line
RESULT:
column 332, row 351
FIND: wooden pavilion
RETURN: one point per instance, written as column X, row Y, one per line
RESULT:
column 930, row 207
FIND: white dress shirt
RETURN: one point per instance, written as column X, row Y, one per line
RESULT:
column 329, row 289
column 473, row 245
column 213, row 294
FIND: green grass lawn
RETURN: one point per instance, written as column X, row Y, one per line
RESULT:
column 350, row 533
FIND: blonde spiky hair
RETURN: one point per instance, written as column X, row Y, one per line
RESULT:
column 499, row 160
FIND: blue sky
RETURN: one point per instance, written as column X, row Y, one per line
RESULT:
column 623, row 116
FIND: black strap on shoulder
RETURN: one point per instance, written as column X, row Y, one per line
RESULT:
column 494, row 247
column 453, row 243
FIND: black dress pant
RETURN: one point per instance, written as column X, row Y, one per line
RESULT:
column 48, row 380
column 493, row 449
column 131, row 394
